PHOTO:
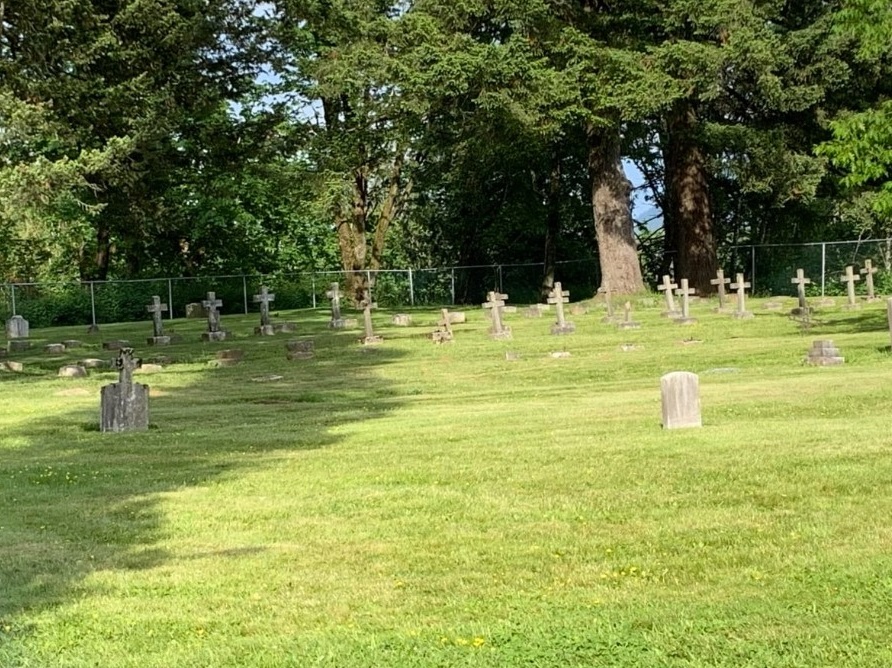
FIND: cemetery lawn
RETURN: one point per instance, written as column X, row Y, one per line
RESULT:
column 421, row 505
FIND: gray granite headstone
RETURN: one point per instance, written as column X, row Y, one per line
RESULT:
column 680, row 392
column 54, row 348
column 17, row 328
column 300, row 349
column 125, row 404
column 72, row 371
column 401, row 319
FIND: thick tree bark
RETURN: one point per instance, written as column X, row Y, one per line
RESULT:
column 617, row 249
column 552, row 225
column 687, row 197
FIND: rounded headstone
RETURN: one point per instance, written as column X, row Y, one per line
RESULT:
column 72, row 371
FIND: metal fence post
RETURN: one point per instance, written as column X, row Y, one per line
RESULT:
column 500, row 278
column 823, row 265
column 170, row 299
column 12, row 292
column 313, row 279
column 753, row 267
column 411, row 290
column 452, row 286
column 245, row 291
column 93, row 303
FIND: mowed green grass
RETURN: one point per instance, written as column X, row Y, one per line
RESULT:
column 422, row 505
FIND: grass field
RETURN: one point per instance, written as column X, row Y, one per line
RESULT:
column 421, row 505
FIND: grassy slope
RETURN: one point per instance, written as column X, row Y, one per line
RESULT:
column 415, row 505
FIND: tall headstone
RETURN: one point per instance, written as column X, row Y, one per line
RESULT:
column 869, row 270
column 212, row 304
column 17, row 328
column 264, row 298
column 334, row 295
column 367, row 305
column 156, row 308
column 849, row 279
column 125, row 404
column 667, row 286
column 800, row 281
column 741, row 287
column 720, row 282
column 680, row 392
column 495, row 302
column 685, row 292
column 559, row 297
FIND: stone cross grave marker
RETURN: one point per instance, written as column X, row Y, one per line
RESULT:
column 125, row 404
column 627, row 322
column 367, row 305
column 264, row 298
column 685, row 292
column 495, row 301
column 444, row 331
column 680, row 392
column 869, row 270
column 559, row 297
column 667, row 286
column 156, row 308
column 334, row 294
column 741, row 287
column 608, row 302
column 800, row 281
column 849, row 279
column 212, row 304
column 17, row 328
column 720, row 282
column 824, row 353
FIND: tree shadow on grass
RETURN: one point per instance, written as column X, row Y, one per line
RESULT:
column 74, row 501
column 857, row 322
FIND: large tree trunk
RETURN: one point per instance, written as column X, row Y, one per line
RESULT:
column 687, row 197
column 617, row 249
column 552, row 225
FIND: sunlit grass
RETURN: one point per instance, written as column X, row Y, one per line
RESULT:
column 421, row 505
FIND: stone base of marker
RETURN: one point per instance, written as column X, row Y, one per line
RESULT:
column 229, row 357
column 115, row 345
column 72, row 343
column 824, row 353
column 95, row 363
column 800, row 311
column 124, row 407
column 344, row 323
column 17, row 328
column 214, row 336
column 371, row 340
column 285, row 328
column 158, row 340
column 265, row 330
column 629, row 324
column 566, row 328
column 442, row 336
column 680, row 391
column 15, row 367
column 504, row 335
column 17, row 345
column 401, row 320
column 72, row 371
column 743, row 315
column 300, row 350
column 54, row 348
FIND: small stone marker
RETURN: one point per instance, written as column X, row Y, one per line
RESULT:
column 608, row 302
column 824, row 353
column 681, row 400
column 444, row 333
column 667, row 286
column 284, row 328
column 334, row 294
column 156, row 309
column 54, row 348
column 367, row 305
column 125, row 404
column 10, row 365
column 229, row 357
column 212, row 304
column 401, row 319
column 685, row 293
column 72, row 371
column 741, row 287
column 300, row 350
column 869, row 270
column 72, row 343
column 94, row 363
column 457, row 318
column 17, row 345
column 559, row 297
column 720, row 282
column 559, row 354
column 265, row 297
column 627, row 322
column 495, row 302
column 115, row 344
column 17, row 328
column 800, row 281
column 849, row 279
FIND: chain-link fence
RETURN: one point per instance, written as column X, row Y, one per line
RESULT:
column 769, row 268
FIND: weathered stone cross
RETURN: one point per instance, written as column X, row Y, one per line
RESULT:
column 801, row 281
column 212, row 304
column 608, row 300
column 869, row 270
column 367, row 305
column 849, row 279
column 685, row 292
column 720, row 281
column 126, row 363
column 156, row 309
column 741, row 287
column 334, row 294
column 495, row 301
column 559, row 297
column 265, row 297
column 667, row 286
column 444, row 332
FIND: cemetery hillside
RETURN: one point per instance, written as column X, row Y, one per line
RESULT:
column 432, row 334
column 669, row 480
